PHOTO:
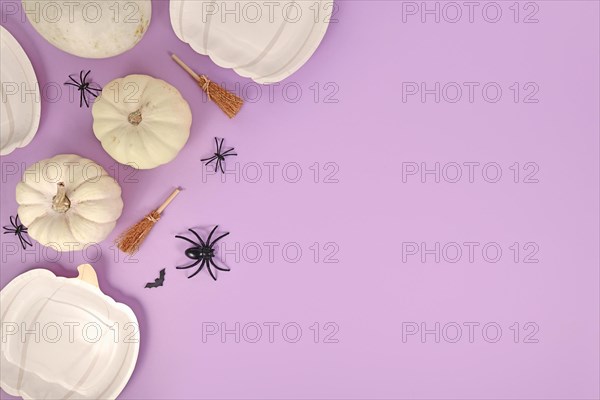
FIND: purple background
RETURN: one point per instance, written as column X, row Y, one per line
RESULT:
column 369, row 133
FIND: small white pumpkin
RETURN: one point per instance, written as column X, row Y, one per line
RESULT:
column 81, row 343
column 141, row 121
column 90, row 28
column 67, row 202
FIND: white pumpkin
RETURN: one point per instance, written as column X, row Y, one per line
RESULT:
column 81, row 343
column 141, row 121
column 68, row 202
column 90, row 28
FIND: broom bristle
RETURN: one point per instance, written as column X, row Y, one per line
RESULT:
column 129, row 242
column 227, row 101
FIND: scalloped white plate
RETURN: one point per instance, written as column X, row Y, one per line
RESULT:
column 81, row 343
column 21, row 101
column 266, row 41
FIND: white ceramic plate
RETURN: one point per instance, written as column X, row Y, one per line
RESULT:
column 21, row 102
column 263, row 40
column 90, row 28
column 81, row 345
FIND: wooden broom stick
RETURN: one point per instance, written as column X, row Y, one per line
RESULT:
column 227, row 101
column 129, row 241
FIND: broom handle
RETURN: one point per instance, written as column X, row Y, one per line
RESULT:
column 168, row 201
column 186, row 68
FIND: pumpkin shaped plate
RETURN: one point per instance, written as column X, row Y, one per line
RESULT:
column 64, row 339
column 266, row 41
column 21, row 108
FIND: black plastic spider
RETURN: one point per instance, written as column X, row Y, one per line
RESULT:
column 84, row 88
column 18, row 229
column 203, row 253
column 220, row 157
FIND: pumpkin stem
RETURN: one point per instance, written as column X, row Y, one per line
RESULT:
column 60, row 202
column 135, row 117
column 88, row 275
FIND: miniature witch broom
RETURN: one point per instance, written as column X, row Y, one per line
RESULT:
column 129, row 242
column 227, row 101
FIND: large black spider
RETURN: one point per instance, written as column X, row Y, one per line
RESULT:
column 84, row 88
column 203, row 253
column 220, row 157
column 18, row 229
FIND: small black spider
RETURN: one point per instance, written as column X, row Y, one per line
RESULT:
column 84, row 88
column 220, row 157
column 203, row 253
column 18, row 229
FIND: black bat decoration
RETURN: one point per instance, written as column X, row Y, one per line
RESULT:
column 158, row 282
